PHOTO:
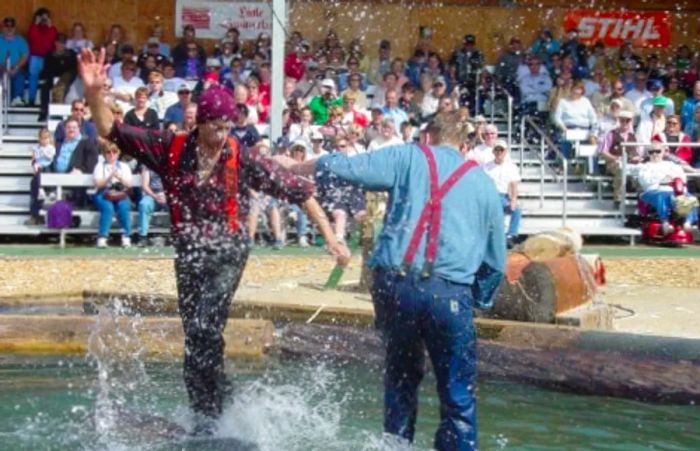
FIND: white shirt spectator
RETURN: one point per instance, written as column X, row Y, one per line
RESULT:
column 502, row 174
column 575, row 113
column 650, row 126
column 483, row 154
column 78, row 44
column 161, row 102
column 637, row 97
column 379, row 141
column 535, row 88
column 430, row 104
column 654, row 175
column 102, row 169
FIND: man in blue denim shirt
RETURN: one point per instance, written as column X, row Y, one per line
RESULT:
column 441, row 253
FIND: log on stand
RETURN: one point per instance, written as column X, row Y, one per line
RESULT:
column 568, row 369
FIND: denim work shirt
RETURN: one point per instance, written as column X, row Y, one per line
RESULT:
column 471, row 245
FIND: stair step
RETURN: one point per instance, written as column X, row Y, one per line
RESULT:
column 20, row 138
column 19, row 229
column 16, row 149
column 24, row 117
column 15, row 184
column 15, row 166
column 28, row 132
column 14, row 203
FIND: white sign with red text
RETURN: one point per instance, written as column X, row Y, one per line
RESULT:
column 211, row 19
column 613, row 28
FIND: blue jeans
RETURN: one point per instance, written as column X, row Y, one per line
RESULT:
column 107, row 209
column 515, row 216
column 147, row 205
column 664, row 202
column 17, row 85
column 36, row 65
column 413, row 314
column 302, row 220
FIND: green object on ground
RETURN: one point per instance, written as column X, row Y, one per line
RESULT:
column 334, row 277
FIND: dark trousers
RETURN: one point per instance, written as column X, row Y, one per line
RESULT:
column 35, row 204
column 207, row 276
column 415, row 314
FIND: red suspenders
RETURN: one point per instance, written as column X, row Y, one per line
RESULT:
column 431, row 214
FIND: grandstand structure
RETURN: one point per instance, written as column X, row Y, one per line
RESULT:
column 548, row 199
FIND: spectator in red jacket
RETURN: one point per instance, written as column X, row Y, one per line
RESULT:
column 41, row 37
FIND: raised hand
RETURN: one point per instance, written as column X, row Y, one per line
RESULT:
column 92, row 69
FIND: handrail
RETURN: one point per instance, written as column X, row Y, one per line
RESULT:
column 545, row 139
column 5, row 95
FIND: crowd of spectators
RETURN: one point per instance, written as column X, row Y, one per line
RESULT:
column 356, row 96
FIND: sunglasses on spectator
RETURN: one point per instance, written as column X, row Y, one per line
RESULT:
column 80, row 110
column 110, row 151
column 625, row 119
column 499, row 150
column 655, row 151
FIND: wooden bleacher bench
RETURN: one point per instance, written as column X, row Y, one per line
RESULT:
column 90, row 218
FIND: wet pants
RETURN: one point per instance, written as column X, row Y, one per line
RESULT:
column 415, row 314
column 207, row 276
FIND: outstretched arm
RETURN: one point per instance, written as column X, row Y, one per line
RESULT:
column 336, row 248
column 93, row 71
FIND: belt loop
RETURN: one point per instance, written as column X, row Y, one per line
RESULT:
column 427, row 270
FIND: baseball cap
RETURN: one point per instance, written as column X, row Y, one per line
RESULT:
column 479, row 118
column 153, row 41
column 312, row 64
column 439, row 80
column 655, row 84
column 626, row 114
column 9, row 21
column 384, row 44
column 316, row 136
column 501, row 143
column 328, row 83
column 300, row 143
column 469, row 39
column 183, row 88
column 660, row 101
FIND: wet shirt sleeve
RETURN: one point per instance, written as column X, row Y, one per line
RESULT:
column 149, row 147
column 263, row 174
column 374, row 171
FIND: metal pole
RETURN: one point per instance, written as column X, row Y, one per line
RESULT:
column 623, row 185
column 493, row 98
column 279, row 22
column 542, row 163
column 522, row 143
column 510, row 120
column 565, row 164
column 476, row 91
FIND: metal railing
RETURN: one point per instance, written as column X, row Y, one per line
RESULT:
column 546, row 141
column 5, row 102
column 625, row 170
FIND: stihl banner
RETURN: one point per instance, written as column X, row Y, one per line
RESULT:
column 644, row 29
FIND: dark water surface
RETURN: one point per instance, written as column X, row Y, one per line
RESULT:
column 61, row 403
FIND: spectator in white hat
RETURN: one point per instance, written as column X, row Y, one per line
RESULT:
column 505, row 175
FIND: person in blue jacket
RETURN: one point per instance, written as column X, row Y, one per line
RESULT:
column 440, row 254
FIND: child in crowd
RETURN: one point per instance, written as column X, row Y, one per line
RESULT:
column 43, row 152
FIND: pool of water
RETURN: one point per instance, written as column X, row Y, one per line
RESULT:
column 61, row 403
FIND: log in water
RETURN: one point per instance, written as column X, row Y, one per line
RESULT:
column 584, row 371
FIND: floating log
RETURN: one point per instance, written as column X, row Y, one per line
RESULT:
column 158, row 337
column 585, row 371
column 539, row 291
